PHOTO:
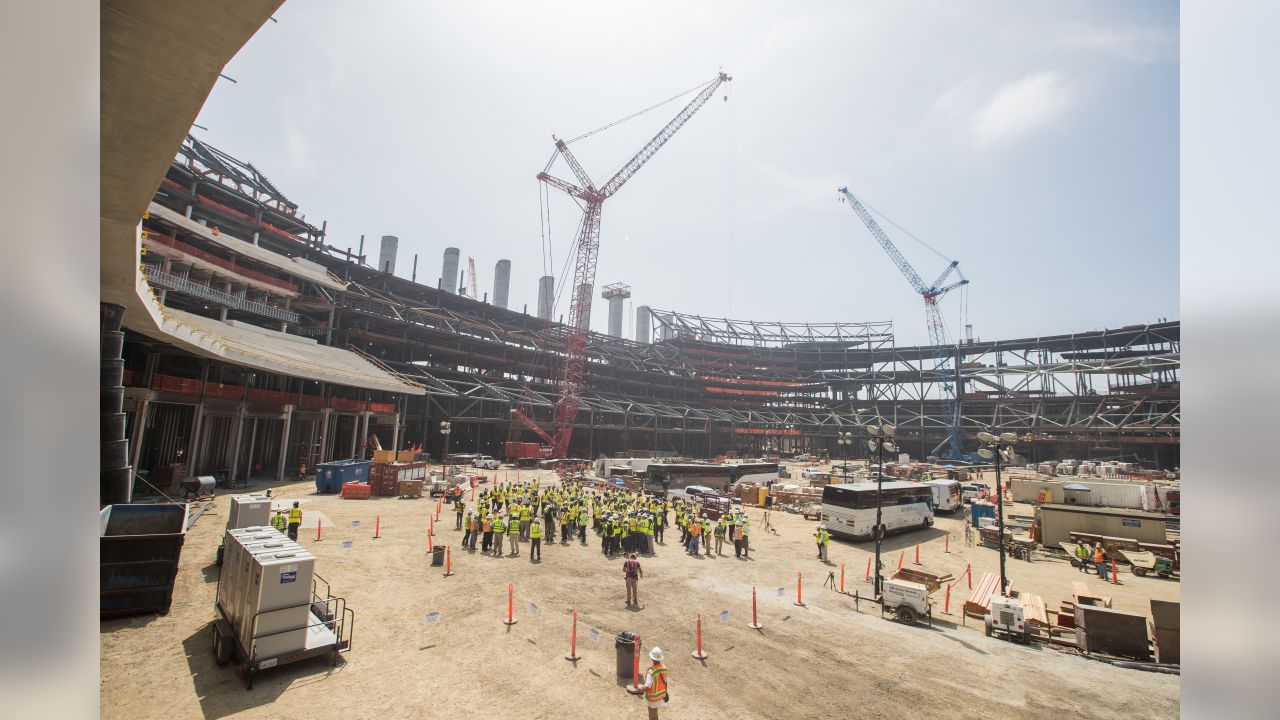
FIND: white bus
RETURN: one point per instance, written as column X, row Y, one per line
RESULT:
column 849, row 509
column 946, row 495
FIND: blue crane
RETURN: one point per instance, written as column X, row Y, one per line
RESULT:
column 941, row 373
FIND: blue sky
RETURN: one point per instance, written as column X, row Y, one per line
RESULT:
column 1036, row 142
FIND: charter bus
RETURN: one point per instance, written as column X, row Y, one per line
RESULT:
column 849, row 509
column 660, row 478
column 946, row 495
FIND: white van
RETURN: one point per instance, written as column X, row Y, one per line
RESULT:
column 946, row 495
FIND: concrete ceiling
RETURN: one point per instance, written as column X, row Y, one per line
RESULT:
column 159, row 62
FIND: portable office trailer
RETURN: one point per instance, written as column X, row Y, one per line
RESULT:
column 1057, row 522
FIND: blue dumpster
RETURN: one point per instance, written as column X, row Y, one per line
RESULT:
column 980, row 510
column 331, row 476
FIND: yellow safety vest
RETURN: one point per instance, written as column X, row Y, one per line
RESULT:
column 535, row 531
column 295, row 515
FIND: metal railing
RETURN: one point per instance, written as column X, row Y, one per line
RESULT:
column 183, row 285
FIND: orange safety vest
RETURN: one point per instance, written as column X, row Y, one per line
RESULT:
column 695, row 529
column 1098, row 556
column 658, row 683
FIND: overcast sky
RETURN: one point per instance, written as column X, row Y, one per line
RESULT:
column 1035, row 142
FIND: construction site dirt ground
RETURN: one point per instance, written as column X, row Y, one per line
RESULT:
column 825, row 659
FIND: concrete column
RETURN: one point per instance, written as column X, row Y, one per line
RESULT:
column 364, row 430
column 235, row 446
column 253, row 440
column 193, row 443
column 395, row 434
column 324, row 435
column 141, row 409
column 284, row 442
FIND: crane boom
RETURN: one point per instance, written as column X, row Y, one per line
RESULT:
column 653, row 146
column 912, row 276
column 933, row 319
column 573, row 368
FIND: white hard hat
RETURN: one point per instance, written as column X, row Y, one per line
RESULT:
column 656, row 654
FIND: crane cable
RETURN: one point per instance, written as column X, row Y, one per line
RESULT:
column 634, row 115
column 903, row 230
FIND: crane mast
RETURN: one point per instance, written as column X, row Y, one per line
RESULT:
column 588, row 248
column 933, row 318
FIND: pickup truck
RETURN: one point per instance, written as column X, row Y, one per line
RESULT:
column 971, row 491
column 486, row 462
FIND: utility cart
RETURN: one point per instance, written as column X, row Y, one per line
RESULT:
column 267, row 638
column 1144, row 562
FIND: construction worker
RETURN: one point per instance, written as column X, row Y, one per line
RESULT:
column 488, row 533
column 475, row 531
column 513, row 532
column 721, row 528
column 1082, row 557
column 706, row 532
column 631, row 573
column 466, row 536
column 695, row 532
column 458, row 508
column 656, row 693
column 823, row 537
column 295, row 521
column 1100, row 561
column 659, row 519
column 743, row 531
column 499, row 529
column 278, row 522
column 535, row 540
column 526, row 517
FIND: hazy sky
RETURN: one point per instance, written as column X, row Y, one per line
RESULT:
column 1036, row 142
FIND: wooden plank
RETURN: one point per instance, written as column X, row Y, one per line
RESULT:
column 1033, row 609
column 979, row 602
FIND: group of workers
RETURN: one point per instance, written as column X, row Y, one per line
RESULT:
column 1098, row 556
column 290, row 524
column 698, row 528
column 523, row 511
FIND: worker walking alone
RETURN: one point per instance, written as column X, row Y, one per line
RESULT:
column 632, row 573
column 823, row 537
column 656, row 691
column 295, row 521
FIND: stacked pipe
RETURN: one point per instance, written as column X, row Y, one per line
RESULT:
column 116, row 476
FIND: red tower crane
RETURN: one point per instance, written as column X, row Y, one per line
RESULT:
column 584, row 268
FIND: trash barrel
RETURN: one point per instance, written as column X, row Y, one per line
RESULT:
column 437, row 555
column 626, row 648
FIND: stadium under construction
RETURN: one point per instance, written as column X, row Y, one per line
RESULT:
column 275, row 351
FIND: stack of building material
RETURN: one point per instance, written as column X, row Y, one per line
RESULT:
column 979, row 602
column 1165, row 626
column 356, row 491
column 385, row 477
